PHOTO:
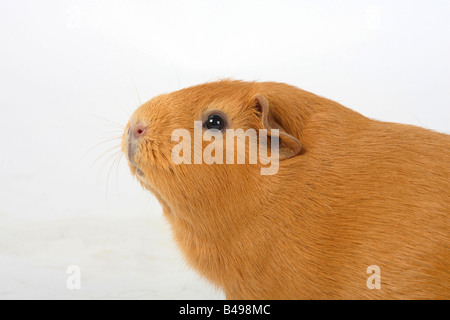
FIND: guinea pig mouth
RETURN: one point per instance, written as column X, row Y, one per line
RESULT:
column 131, row 152
column 139, row 172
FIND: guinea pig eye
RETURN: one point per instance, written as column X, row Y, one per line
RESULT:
column 215, row 121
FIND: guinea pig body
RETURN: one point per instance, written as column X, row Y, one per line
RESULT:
column 350, row 193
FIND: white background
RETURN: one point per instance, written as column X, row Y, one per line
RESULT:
column 72, row 72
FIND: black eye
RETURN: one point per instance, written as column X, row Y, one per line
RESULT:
column 215, row 121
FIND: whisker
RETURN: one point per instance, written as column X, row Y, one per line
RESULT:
column 107, row 161
column 137, row 92
column 103, row 154
column 120, row 131
column 115, row 164
column 121, row 107
column 117, row 172
column 116, row 156
column 99, row 144
column 121, row 126
column 176, row 73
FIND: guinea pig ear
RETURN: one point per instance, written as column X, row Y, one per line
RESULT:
column 289, row 146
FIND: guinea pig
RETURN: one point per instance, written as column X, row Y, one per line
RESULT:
column 354, row 209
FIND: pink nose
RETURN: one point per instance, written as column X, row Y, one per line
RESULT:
column 138, row 130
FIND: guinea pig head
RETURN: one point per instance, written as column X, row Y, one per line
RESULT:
column 178, row 147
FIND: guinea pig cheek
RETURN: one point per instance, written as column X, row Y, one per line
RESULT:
column 138, row 163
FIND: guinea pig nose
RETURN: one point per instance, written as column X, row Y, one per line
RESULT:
column 138, row 130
